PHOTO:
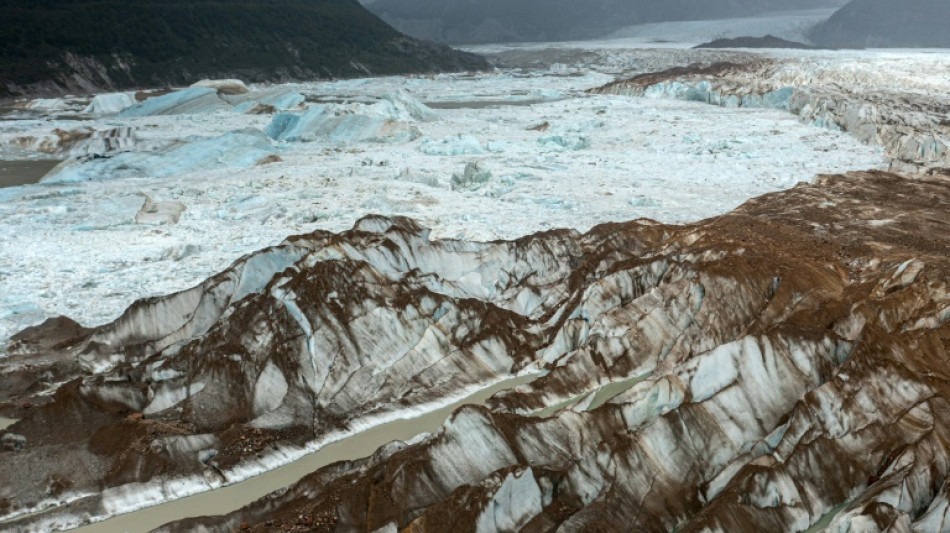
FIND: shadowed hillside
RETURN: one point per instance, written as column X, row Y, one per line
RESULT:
column 52, row 46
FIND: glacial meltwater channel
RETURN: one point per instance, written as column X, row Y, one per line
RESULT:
column 233, row 497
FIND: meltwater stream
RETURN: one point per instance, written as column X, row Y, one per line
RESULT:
column 233, row 497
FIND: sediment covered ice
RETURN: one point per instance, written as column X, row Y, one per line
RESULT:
column 703, row 370
column 684, row 366
column 194, row 100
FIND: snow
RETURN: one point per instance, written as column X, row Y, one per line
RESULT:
column 602, row 159
column 280, row 100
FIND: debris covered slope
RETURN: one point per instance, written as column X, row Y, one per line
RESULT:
column 755, row 371
column 58, row 47
column 768, row 370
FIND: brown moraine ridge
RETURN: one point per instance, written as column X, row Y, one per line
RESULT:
column 793, row 356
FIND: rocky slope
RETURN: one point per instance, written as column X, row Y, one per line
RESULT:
column 755, row 371
column 82, row 46
column 884, row 24
column 768, row 41
column 486, row 21
column 911, row 123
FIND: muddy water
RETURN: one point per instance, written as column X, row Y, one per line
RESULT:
column 14, row 173
column 232, row 498
column 601, row 396
column 612, row 390
column 6, row 422
column 826, row 520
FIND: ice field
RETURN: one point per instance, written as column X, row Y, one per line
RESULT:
column 494, row 155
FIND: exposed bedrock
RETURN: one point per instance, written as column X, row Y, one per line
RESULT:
column 756, row 371
column 913, row 127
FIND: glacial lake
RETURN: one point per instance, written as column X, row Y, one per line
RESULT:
column 24, row 172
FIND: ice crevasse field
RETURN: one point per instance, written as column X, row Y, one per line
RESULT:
column 162, row 194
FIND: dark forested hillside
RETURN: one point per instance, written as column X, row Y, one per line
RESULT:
column 886, row 23
column 471, row 21
column 70, row 45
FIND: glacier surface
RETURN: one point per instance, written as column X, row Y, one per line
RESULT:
column 557, row 157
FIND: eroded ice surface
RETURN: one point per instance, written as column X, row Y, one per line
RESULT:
column 75, row 249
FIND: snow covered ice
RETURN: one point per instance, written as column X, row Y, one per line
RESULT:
column 72, row 244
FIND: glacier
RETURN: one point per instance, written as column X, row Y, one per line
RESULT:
column 209, row 164
column 531, row 226
column 239, row 149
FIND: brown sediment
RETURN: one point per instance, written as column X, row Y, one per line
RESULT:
column 719, row 69
column 827, row 259
column 733, row 359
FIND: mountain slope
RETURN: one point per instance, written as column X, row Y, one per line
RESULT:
column 466, row 21
column 884, row 24
column 52, row 46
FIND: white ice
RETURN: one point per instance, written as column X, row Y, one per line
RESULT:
column 244, row 148
column 74, row 248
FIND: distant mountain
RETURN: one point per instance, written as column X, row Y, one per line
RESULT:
column 479, row 21
column 56, row 46
column 768, row 41
column 886, row 23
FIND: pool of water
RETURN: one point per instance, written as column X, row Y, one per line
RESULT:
column 24, row 172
